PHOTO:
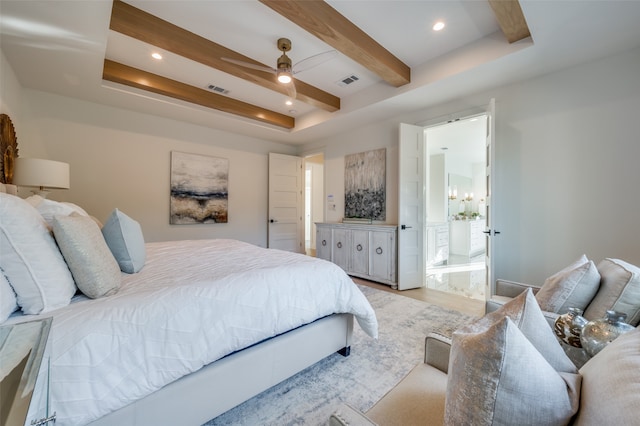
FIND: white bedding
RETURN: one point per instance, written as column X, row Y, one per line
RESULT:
column 193, row 303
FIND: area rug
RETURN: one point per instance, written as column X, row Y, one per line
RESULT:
column 360, row 379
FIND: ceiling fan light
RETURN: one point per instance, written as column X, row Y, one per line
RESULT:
column 284, row 77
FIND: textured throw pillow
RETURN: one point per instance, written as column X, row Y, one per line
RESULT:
column 125, row 240
column 8, row 302
column 94, row 269
column 611, row 384
column 30, row 258
column 508, row 368
column 496, row 376
column 572, row 287
column 619, row 291
column 525, row 313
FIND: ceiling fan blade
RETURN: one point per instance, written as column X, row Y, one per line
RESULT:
column 314, row 61
column 291, row 90
column 249, row 65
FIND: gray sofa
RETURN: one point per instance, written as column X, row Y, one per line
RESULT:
column 608, row 384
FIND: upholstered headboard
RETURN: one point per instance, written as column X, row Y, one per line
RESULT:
column 9, row 189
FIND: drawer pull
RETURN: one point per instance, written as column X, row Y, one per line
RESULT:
column 359, row 247
column 339, row 244
column 379, row 250
column 324, row 242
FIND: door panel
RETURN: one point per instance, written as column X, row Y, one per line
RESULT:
column 490, row 224
column 411, row 256
column 285, row 230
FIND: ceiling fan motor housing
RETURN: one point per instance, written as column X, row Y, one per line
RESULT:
column 284, row 62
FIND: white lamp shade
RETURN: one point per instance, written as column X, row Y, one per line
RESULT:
column 42, row 173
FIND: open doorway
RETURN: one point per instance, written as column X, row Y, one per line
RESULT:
column 456, row 206
column 313, row 199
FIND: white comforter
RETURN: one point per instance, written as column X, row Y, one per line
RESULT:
column 193, row 303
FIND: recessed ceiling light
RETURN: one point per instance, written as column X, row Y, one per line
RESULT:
column 438, row 26
column 156, row 55
column 289, row 102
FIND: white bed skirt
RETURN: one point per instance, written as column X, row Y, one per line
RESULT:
column 226, row 383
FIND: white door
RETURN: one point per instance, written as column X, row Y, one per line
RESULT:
column 411, row 256
column 285, row 229
column 490, row 230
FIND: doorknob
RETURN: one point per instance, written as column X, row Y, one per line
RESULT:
column 273, row 221
column 405, row 227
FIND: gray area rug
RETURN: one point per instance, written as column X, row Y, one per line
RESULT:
column 362, row 378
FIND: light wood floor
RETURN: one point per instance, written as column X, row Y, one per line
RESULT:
column 447, row 300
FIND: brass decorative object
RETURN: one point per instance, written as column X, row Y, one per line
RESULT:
column 8, row 149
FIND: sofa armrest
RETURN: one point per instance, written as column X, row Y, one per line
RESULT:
column 508, row 288
column 436, row 351
column 346, row 415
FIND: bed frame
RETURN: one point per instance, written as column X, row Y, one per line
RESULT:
column 228, row 382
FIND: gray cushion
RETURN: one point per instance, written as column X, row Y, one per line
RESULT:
column 574, row 286
column 525, row 312
column 619, row 291
column 611, row 384
column 125, row 240
column 508, row 368
column 92, row 265
column 497, row 377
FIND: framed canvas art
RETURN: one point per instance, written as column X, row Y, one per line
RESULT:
column 365, row 185
column 199, row 189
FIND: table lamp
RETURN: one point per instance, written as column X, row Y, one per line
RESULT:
column 44, row 174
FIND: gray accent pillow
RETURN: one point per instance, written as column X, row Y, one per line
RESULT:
column 525, row 312
column 619, row 291
column 126, row 241
column 497, row 377
column 92, row 265
column 508, row 368
column 572, row 287
column 612, row 377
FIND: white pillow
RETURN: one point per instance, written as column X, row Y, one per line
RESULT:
column 94, row 269
column 126, row 241
column 508, row 368
column 30, row 258
column 8, row 302
column 572, row 287
column 50, row 208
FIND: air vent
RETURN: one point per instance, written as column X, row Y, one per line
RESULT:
column 217, row 89
column 350, row 79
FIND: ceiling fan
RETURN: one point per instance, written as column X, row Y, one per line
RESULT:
column 284, row 69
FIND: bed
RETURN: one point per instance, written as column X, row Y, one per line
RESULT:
column 203, row 326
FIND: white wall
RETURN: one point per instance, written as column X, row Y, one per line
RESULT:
column 567, row 169
column 121, row 159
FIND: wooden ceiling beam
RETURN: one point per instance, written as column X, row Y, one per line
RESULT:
column 320, row 19
column 148, row 28
column 133, row 77
column 511, row 19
